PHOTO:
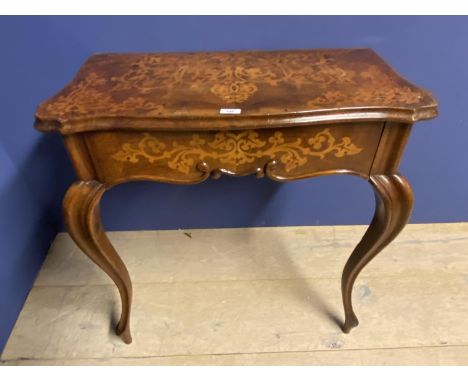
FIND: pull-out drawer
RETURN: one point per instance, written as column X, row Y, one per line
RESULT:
column 190, row 156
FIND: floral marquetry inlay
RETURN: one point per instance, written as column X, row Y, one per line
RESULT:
column 260, row 83
column 235, row 149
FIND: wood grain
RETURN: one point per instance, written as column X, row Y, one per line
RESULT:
column 261, row 282
column 272, row 88
column 189, row 157
column 394, row 203
column 83, row 221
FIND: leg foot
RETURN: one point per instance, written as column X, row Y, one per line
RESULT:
column 124, row 332
column 351, row 321
column 394, row 203
column 82, row 218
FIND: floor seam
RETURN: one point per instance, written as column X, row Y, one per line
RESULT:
column 239, row 353
column 362, row 278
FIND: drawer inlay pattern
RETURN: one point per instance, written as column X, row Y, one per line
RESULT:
column 236, row 149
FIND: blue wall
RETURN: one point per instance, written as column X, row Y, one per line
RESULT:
column 39, row 55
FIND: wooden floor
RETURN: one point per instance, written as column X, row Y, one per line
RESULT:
column 261, row 296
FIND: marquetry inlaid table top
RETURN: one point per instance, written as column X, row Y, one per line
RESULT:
column 284, row 115
column 269, row 88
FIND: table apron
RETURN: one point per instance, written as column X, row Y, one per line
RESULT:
column 282, row 154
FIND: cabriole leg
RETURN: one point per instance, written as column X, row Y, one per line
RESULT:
column 82, row 218
column 394, row 203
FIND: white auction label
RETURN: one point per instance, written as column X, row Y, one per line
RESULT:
column 229, row 111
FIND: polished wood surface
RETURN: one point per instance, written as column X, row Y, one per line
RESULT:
column 300, row 114
column 394, row 203
column 83, row 222
column 188, row 90
column 187, row 157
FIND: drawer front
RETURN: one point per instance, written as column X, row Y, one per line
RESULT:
column 189, row 157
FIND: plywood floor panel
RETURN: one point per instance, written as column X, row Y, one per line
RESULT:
column 252, row 296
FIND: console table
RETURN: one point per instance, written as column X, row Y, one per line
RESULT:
column 285, row 115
